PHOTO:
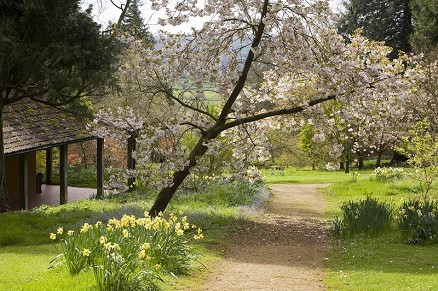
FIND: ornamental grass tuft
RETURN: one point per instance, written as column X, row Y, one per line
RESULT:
column 129, row 253
column 368, row 217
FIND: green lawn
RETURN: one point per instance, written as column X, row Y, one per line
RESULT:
column 27, row 268
column 382, row 263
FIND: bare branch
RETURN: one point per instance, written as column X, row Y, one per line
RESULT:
column 194, row 126
column 243, row 77
column 264, row 115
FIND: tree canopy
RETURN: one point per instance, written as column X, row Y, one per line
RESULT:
column 51, row 51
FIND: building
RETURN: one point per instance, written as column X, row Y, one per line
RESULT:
column 30, row 126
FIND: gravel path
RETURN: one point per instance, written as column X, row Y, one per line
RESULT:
column 283, row 250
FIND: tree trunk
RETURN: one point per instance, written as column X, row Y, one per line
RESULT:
column 130, row 159
column 5, row 203
column 360, row 163
column 379, row 159
column 347, row 167
column 167, row 193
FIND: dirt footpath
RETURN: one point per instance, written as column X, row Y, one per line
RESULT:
column 283, row 250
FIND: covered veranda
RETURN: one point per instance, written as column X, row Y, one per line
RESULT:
column 28, row 127
column 50, row 195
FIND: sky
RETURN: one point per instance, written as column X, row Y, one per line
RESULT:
column 104, row 12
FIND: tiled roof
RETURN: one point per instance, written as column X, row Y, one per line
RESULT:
column 28, row 126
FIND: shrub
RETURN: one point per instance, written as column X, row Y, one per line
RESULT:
column 276, row 172
column 369, row 217
column 387, row 174
column 421, row 147
column 130, row 252
column 418, row 221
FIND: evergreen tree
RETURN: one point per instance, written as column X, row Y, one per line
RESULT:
column 425, row 15
column 381, row 20
column 133, row 23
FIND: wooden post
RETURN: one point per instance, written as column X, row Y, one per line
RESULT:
column 49, row 166
column 130, row 159
column 63, row 177
column 24, row 182
column 100, row 168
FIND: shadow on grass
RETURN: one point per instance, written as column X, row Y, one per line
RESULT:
column 384, row 254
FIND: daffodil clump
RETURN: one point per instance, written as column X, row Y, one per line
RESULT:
column 130, row 250
column 418, row 221
column 387, row 174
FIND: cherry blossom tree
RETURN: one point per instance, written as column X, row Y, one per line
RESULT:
column 266, row 62
column 369, row 124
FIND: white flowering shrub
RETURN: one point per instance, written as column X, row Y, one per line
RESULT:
column 387, row 174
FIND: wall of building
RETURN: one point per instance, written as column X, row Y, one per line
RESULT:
column 12, row 178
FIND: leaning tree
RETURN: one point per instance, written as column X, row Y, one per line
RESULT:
column 266, row 62
column 51, row 52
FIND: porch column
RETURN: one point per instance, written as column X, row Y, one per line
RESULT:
column 24, row 182
column 63, row 193
column 49, row 166
column 130, row 159
column 100, row 168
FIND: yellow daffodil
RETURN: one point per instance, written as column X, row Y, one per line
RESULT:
column 146, row 246
column 52, row 236
column 157, row 267
column 125, row 233
column 86, row 252
column 116, row 247
column 85, row 227
column 59, row 230
column 70, row 232
column 102, row 240
column 142, row 254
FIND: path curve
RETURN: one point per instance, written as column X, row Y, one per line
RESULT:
column 283, row 250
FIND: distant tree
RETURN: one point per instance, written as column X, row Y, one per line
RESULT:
column 382, row 20
column 425, row 15
column 133, row 23
column 425, row 40
column 51, row 52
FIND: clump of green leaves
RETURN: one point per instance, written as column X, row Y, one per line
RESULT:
column 368, row 217
column 129, row 252
column 418, row 221
column 421, row 147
